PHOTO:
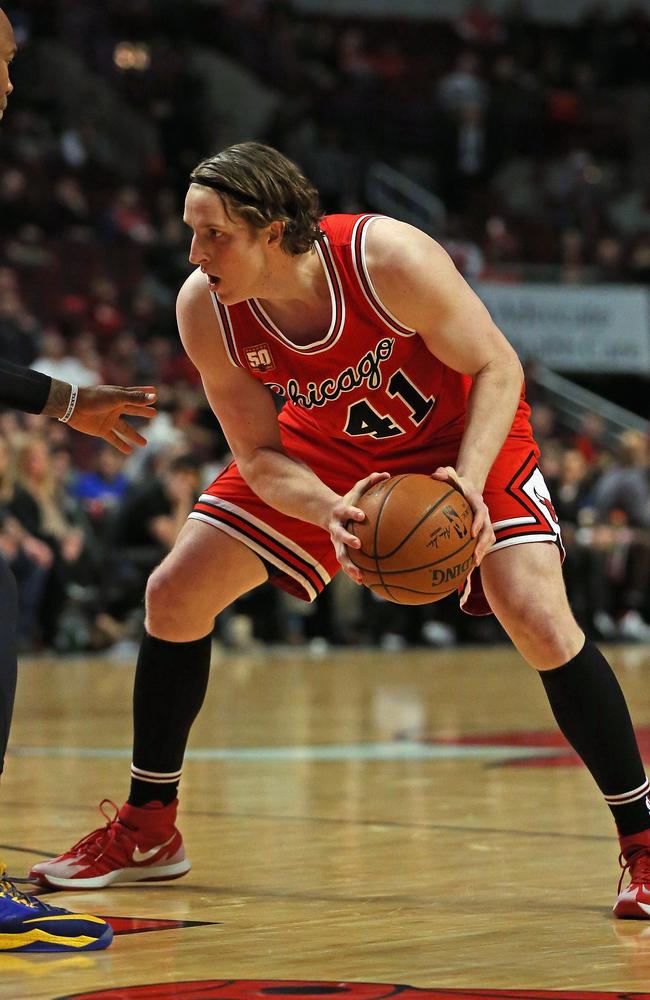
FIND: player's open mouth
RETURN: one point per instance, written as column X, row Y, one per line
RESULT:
column 213, row 281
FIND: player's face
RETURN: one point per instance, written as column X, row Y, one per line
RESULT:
column 229, row 252
column 7, row 52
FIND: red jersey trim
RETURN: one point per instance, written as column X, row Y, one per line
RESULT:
column 337, row 323
column 358, row 245
column 228, row 337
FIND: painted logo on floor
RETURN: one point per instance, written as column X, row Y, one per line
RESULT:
column 143, row 925
column 257, row 989
column 547, row 748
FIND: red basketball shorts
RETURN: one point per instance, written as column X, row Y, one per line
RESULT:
column 300, row 556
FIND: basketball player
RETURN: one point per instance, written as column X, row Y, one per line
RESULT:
column 26, row 923
column 387, row 363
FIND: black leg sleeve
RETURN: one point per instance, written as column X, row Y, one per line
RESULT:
column 590, row 709
column 171, row 679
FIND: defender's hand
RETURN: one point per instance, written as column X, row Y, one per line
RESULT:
column 101, row 409
column 481, row 525
column 345, row 510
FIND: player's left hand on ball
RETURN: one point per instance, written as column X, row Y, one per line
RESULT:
column 101, row 409
column 481, row 525
column 344, row 511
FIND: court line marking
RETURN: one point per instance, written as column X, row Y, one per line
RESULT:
column 397, row 750
column 401, row 824
column 393, row 750
column 336, row 821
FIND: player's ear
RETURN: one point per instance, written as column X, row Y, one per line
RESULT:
column 275, row 233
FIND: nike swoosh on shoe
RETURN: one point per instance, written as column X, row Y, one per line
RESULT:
column 139, row 856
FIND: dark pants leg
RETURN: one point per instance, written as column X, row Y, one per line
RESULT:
column 8, row 664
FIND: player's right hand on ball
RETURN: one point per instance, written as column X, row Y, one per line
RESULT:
column 482, row 529
column 344, row 511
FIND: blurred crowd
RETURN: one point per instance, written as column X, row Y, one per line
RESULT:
column 602, row 499
column 534, row 138
column 83, row 529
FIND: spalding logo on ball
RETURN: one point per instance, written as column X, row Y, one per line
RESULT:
column 416, row 541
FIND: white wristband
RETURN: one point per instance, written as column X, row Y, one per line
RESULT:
column 74, row 392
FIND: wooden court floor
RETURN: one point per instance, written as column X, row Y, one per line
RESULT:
column 359, row 817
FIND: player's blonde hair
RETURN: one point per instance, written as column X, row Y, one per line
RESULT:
column 261, row 186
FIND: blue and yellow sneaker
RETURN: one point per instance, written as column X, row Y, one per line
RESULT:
column 27, row 924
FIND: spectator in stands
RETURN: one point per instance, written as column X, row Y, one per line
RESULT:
column 153, row 512
column 121, row 359
column 137, row 534
column 44, row 511
column 463, row 85
column 465, row 253
column 464, row 154
column 146, row 313
column 354, row 61
column 69, row 207
column 14, row 207
column 28, row 250
column 516, row 109
column 572, row 497
column 83, row 348
column 573, row 491
column 150, row 516
column 624, row 487
column 573, row 257
column 609, row 259
column 105, row 317
column 102, row 489
column 56, row 360
column 128, row 217
column 19, row 330
column 335, row 168
column 479, row 26
column 590, row 438
column 30, row 558
column 622, row 501
column 639, row 263
column 630, row 213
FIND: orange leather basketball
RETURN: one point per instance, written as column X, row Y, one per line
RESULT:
column 416, row 542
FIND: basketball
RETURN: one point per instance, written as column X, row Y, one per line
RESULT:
column 416, row 542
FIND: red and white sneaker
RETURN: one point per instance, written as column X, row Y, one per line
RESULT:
column 633, row 902
column 136, row 845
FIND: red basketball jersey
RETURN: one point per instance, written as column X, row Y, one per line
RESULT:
column 370, row 382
